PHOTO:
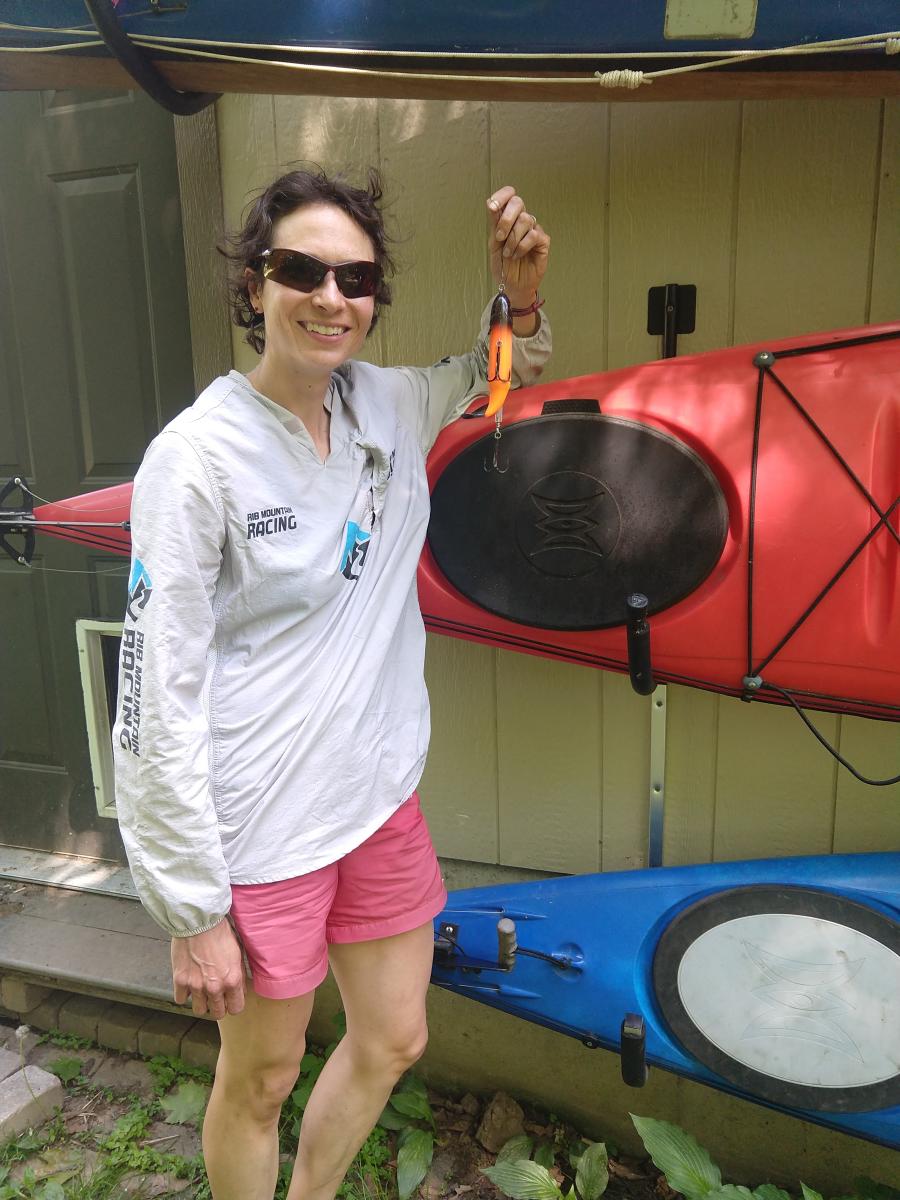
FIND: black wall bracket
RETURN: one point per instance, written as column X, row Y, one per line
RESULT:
column 671, row 309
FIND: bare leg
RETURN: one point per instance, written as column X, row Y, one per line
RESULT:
column 383, row 985
column 258, row 1065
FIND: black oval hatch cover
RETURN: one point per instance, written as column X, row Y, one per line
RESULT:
column 584, row 510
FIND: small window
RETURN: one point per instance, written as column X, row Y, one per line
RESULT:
column 98, row 656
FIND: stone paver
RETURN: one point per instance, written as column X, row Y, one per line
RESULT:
column 120, row 1025
column 150, row 1186
column 200, row 1045
column 173, row 1139
column 162, row 1034
column 46, row 1054
column 27, row 1098
column 128, row 1075
column 10, row 1062
column 81, row 1015
column 21, row 996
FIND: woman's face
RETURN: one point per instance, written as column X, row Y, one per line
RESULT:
column 310, row 334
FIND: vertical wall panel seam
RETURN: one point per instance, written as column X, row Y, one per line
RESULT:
column 275, row 146
column 735, row 222
column 488, row 109
column 876, row 206
column 715, row 781
column 381, row 349
column 836, row 779
column 497, row 785
column 607, row 222
column 489, row 166
column 600, row 787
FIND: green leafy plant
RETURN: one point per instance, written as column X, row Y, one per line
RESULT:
column 67, row 1070
column 689, row 1169
column 409, row 1113
column 523, row 1178
column 167, row 1070
column 686, row 1165
column 65, row 1041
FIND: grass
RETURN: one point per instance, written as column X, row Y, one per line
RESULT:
column 179, row 1095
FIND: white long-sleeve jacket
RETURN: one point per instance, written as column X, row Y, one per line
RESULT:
column 272, row 705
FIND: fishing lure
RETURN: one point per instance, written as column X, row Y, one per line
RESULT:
column 500, row 343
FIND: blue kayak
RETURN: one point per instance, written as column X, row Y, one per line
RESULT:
column 516, row 28
column 186, row 53
column 777, row 980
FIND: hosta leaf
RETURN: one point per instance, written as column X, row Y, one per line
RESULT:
column 413, row 1160
column 391, row 1119
column 768, row 1191
column 810, row 1193
column 523, row 1180
column 412, row 1083
column 592, row 1175
column 870, row 1190
column 517, row 1147
column 186, row 1104
column 685, row 1164
column 411, row 1104
column 545, row 1155
column 730, row 1191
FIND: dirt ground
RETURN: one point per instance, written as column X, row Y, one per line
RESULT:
column 131, row 1129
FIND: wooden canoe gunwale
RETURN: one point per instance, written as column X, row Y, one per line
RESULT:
column 31, row 72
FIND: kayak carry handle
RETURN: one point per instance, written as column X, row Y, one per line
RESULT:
column 507, row 943
column 633, row 1042
column 638, row 631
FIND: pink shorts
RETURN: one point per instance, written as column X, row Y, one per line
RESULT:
column 390, row 884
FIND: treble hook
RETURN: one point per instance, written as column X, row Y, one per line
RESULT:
column 493, row 462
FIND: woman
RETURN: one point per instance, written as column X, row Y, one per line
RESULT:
column 267, row 764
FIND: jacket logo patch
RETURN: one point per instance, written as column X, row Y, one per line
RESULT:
column 140, row 589
column 270, row 520
column 356, row 546
column 132, row 684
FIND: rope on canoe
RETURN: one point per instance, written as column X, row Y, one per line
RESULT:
column 624, row 78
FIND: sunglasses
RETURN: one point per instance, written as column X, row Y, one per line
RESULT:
column 303, row 273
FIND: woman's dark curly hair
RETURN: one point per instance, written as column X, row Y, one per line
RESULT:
column 297, row 189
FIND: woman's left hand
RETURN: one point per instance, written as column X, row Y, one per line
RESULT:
column 519, row 247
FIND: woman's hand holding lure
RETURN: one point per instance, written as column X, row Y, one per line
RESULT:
column 519, row 250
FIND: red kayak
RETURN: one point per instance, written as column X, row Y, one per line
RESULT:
column 752, row 495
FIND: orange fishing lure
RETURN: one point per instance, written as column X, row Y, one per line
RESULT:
column 500, row 343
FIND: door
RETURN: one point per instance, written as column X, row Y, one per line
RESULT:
column 94, row 357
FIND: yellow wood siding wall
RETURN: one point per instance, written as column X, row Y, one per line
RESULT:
column 785, row 214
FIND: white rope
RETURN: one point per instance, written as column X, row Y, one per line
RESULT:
column 118, row 572
column 889, row 42
column 622, row 79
